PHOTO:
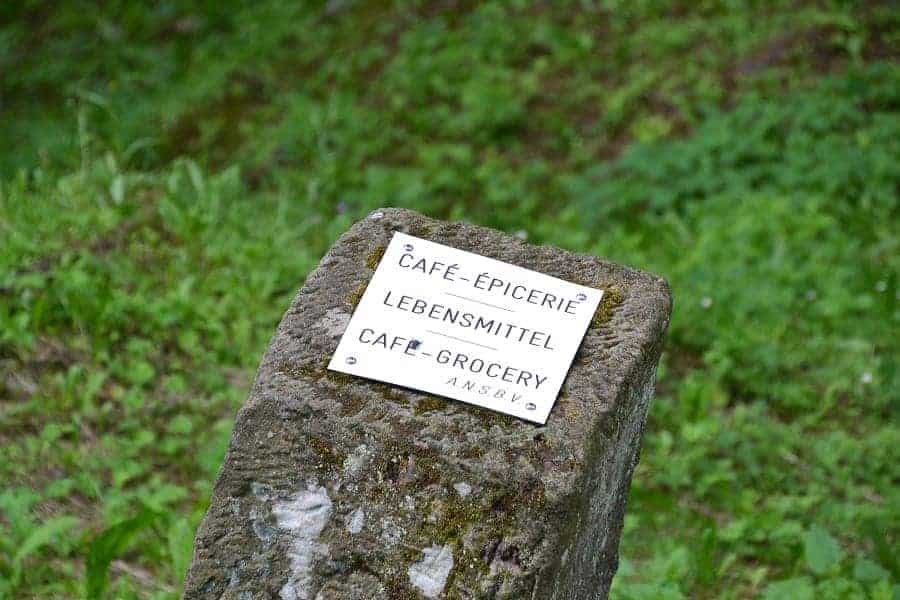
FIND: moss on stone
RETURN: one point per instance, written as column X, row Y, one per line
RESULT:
column 339, row 379
column 290, row 370
column 304, row 371
column 329, row 458
column 357, row 294
column 612, row 299
column 351, row 404
column 396, row 587
column 489, row 418
column 471, row 563
column 396, row 456
column 428, row 404
column 389, row 392
column 375, row 257
column 455, row 518
column 473, row 452
column 491, row 517
column 424, row 230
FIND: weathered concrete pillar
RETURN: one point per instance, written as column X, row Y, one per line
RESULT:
column 338, row 487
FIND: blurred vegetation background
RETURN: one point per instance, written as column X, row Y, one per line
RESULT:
column 170, row 171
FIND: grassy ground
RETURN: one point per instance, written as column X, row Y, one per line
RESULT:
column 169, row 174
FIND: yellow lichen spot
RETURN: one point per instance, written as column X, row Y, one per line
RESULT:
column 375, row 257
column 354, row 298
column 329, row 458
column 612, row 299
column 429, row 404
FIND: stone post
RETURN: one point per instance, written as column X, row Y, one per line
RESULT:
column 336, row 487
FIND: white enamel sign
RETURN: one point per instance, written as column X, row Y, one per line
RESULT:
column 460, row 325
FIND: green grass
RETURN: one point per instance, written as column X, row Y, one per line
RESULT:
column 169, row 174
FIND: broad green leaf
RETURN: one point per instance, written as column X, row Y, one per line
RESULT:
column 869, row 571
column 799, row 588
column 141, row 372
column 883, row 591
column 822, row 551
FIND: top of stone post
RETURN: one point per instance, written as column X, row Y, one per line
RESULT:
column 340, row 487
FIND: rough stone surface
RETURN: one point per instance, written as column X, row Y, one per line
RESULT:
column 336, row 487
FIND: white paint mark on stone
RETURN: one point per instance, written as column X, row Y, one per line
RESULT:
column 429, row 575
column 356, row 520
column 462, row 488
column 303, row 517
